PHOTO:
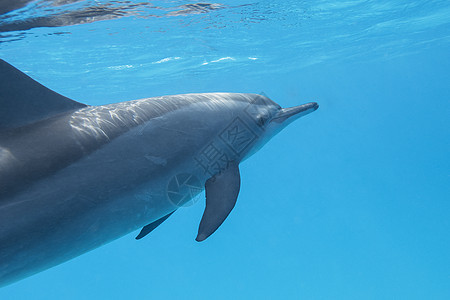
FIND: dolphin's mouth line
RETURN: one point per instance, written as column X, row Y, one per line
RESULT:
column 297, row 111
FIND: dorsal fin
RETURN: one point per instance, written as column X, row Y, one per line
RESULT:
column 24, row 100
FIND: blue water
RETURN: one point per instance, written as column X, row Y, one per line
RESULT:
column 350, row 202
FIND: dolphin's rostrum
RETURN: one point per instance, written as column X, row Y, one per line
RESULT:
column 74, row 177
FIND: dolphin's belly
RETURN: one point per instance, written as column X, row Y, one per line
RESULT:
column 101, row 197
column 44, row 226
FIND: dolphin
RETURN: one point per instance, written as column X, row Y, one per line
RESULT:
column 74, row 177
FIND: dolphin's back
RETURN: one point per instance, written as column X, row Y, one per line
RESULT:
column 36, row 150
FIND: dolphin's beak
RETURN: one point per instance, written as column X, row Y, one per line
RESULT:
column 295, row 112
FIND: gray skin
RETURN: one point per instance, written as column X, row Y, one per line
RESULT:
column 82, row 176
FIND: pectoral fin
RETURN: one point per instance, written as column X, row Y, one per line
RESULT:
column 221, row 193
column 150, row 227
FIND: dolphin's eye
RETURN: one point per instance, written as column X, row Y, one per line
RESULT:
column 262, row 119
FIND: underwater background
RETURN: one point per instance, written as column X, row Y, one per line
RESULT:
column 350, row 202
